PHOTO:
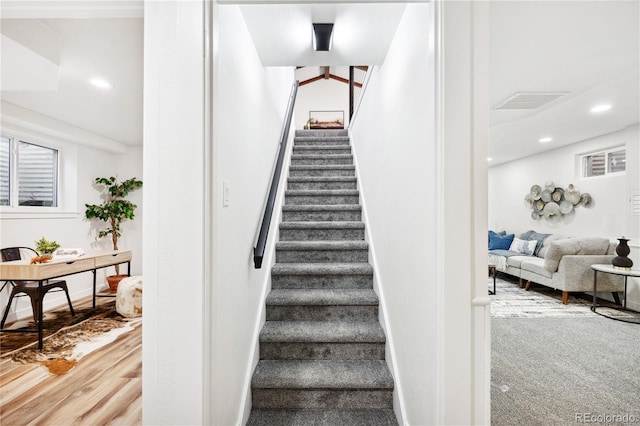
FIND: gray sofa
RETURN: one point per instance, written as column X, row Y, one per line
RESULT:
column 560, row 263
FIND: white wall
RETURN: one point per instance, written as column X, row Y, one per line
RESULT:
column 174, row 335
column 510, row 182
column 323, row 95
column 249, row 108
column 420, row 149
column 81, row 165
column 610, row 215
column 396, row 166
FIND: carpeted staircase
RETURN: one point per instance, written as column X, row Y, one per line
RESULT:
column 322, row 348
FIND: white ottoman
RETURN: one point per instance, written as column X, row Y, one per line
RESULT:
column 129, row 297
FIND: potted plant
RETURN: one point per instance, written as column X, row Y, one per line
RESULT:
column 45, row 249
column 114, row 210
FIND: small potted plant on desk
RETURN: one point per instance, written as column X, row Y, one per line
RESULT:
column 45, row 250
column 114, row 210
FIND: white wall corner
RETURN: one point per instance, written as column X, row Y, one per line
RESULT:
column 464, row 334
column 390, row 349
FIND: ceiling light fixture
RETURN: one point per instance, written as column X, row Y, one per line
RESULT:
column 322, row 37
column 545, row 140
column 601, row 108
column 100, row 83
column 489, row 159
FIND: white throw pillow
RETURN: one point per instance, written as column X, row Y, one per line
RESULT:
column 523, row 246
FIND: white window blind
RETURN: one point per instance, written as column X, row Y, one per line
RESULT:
column 604, row 162
column 617, row 161
column 5, row 171
column 37, row 175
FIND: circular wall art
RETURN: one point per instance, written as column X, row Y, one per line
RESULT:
column 554, row 201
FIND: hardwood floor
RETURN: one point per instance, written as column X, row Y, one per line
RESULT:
column 104, row 388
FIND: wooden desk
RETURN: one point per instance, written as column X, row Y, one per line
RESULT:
column 22, row 270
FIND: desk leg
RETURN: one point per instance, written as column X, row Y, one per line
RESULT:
column 595, row 277
column 129, row 268
column 94, row 288
column 40, row 315
column 624, row 301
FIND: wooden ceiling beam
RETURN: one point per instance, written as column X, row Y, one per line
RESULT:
column 344, row 80
column 362, row 67
column 327, row 72
column 311, row 80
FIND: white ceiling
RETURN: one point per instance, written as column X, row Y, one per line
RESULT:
column 362, row 33
column 589, row 49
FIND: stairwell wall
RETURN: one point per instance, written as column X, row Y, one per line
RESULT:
column 249, row 109
column 393, row 140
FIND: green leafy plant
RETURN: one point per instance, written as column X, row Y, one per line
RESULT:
column 115, row 209
column 43, row 246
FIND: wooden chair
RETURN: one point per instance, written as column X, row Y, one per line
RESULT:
column 29, row 288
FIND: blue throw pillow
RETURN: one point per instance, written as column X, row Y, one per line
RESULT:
column 500, row 242
column 498, row 233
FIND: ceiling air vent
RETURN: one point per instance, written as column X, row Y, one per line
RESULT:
column 529, row 100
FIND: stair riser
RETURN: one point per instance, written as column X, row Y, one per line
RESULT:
column 318, row 150
column 321, row 281
column 327, row 161
column 322, row 398
column 312, row 216
column 307, row 200
column 319, row 142
column 308, row 351
column 322, row 185
column 322, row 133
column 322, row 256
column 319, row 173
column 322, row 313
column 321, row 234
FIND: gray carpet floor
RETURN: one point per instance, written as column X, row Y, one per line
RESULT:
column 565, row 371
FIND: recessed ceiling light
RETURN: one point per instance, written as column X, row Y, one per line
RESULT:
column 601, row 108
column 545, row 140
column 489, row 159
column 100, row 83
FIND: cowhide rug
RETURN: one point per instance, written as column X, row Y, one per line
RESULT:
column 67, row 338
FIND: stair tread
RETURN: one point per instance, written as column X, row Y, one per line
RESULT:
column 321, row 207
column 349, row 297
column 322, row 179
column 321, row 374
column 322, row 269
column 341, row 147
column 324, row 156
column 315, row 417
column 322, row 245
column 321, row 192
column 322, row 332
column 322, row 225
column 322, row 166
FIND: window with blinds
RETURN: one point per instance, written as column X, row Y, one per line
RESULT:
column 29, row 178
column 5, row 171
column 37, row 175
column 604, row 162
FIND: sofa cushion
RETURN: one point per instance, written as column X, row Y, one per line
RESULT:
column 533, row 235
column 557, row 249
column 537, row 266
column 547, row 243
column 516, row 261
column 523, row 246
column 593, row 245
column 499, row 242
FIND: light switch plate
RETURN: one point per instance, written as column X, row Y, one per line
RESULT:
column 225, row 193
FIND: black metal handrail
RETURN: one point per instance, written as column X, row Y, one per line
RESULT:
column 258, row 250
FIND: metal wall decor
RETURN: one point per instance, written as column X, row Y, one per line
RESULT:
column 554, row 202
